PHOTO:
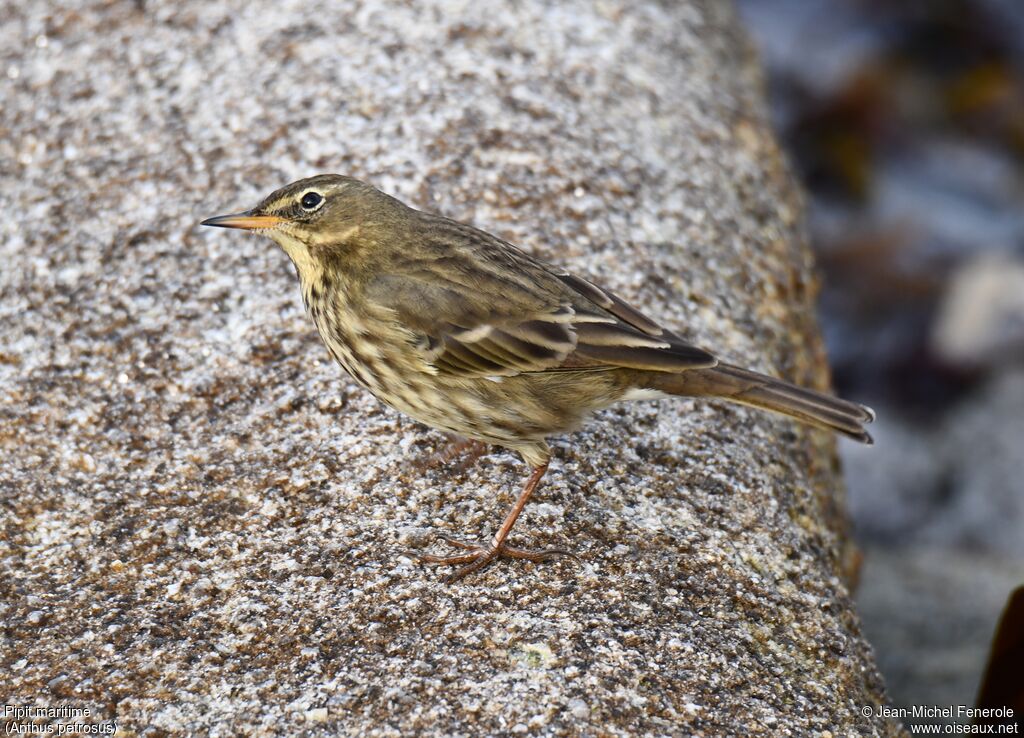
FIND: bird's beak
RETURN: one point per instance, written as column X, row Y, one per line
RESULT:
column 247, row 221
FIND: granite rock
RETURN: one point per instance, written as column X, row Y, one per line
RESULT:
column 207, row 529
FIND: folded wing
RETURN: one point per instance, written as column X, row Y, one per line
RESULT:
column 478, row 306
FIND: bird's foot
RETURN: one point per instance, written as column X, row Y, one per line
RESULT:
column 466, row 450
column 477, row 556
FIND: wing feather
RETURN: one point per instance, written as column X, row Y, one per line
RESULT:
column 478, row 306
column 613, row 304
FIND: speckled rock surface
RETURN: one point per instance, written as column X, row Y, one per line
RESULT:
column 206, row 527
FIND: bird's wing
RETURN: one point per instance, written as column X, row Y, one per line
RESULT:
column 481, row 307
column 609, row 330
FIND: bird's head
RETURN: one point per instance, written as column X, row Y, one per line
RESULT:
column 319, row 219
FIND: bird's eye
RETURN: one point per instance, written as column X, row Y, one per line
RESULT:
column 311, row 200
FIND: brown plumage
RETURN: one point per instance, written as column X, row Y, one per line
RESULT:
column 466, row 333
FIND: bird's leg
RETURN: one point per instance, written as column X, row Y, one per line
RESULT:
column 468, row 448
column 480, row 556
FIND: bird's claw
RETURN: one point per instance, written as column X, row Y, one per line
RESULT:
column 480, row 556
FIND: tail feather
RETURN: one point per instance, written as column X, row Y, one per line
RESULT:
column 761, row 391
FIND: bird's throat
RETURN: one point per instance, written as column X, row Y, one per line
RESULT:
column 309, row 270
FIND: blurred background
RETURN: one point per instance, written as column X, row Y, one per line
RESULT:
column 905, row 121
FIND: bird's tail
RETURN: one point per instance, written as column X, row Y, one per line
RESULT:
column 759, row 390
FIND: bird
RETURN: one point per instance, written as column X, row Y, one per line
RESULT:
column 471, row 335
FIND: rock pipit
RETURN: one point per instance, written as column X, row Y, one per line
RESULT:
column 466, row 333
